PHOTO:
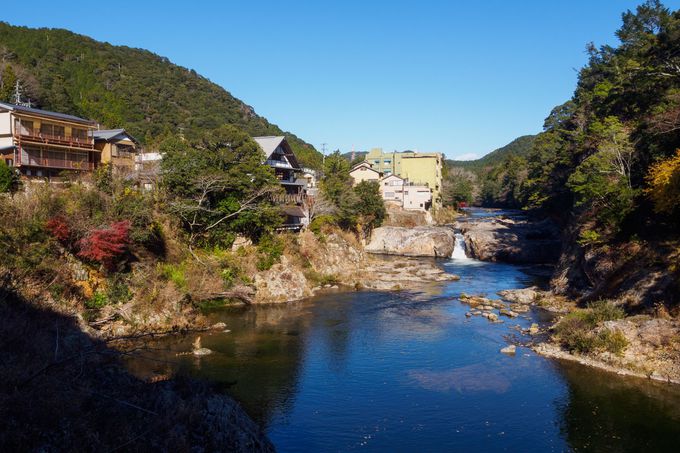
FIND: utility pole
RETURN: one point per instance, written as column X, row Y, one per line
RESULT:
column 353, row 154
column 323, row 153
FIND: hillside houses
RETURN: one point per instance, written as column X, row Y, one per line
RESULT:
column 41, row 144
column 423, row 169
column 410, row 180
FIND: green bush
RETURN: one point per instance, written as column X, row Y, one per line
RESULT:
column 175, row 273
column 318, row 223
column 270, row 249
column 118, row 290
column 613, row 341
column 98, row 300
column 576, row 331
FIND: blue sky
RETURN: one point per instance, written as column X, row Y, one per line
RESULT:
column 458, row 77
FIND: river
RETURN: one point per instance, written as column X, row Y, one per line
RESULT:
column 408, row 371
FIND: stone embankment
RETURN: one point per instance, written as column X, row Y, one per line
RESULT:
column 432, row 241
column 512, row 240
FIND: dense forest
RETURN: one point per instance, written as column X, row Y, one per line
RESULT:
column 609, row 154
column 120, row 86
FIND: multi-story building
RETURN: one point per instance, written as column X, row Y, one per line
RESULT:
column 44, row 144
column 419, row 168
column 277, row 154
column 405, row 194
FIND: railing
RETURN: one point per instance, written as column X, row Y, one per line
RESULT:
column 289, row 227
column 65, row 164
column 290, row 198
column 279, row 164
column 73, row 142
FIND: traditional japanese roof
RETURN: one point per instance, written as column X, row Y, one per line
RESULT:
column 110, row 135
column 47, row 113
column 269, row 144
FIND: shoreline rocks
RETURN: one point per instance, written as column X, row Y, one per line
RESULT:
column 513, row 241
column 432, row 241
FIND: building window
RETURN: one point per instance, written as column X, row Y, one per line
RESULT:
column 9, row 162
column 79, row 134
column 51, row 130
column 24, row 127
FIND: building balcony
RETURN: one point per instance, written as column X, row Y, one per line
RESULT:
column 46, row 139
column 279, row 164
column 61, row 164
column 58, row 160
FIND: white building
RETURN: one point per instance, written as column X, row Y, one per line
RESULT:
column 410, row 196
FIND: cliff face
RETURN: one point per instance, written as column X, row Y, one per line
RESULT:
column 641, row 273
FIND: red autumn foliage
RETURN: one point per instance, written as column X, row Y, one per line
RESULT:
column 106, row 245
column 59, row 229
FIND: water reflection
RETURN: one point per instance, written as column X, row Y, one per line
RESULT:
column 604, row 412
column 410, row 372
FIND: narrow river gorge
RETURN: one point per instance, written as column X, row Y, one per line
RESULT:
column 408, row 371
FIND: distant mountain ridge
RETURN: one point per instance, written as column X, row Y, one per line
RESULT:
column 521, row 146
column 125, row 87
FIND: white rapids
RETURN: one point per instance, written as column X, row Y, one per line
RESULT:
column 459, row 249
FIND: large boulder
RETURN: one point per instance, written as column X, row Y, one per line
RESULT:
column 418, row 241
column 282, row 283
column 513, row 241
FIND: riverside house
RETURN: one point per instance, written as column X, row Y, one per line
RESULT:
column 407, row 195
column 118, row 148
column 277, row 154
column 43, row 144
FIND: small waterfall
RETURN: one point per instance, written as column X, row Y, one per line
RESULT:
column 459, row 248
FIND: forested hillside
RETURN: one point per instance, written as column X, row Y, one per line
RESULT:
column 489, row 180
column 607, row 166
column 519, row 147
column 124, row 87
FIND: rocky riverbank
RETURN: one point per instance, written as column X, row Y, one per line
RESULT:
column 646, row 346
column 339, row 262
column 512, row 240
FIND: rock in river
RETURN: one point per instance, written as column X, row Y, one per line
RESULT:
column 509, row 350
column 514, row 241
column 418, row 241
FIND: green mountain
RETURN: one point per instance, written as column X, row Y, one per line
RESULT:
column 119, row 86
column 521, row 146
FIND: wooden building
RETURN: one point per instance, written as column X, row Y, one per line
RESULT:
column 43, row 144
column 118, row 148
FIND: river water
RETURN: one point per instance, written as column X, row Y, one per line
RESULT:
column 408, row 371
